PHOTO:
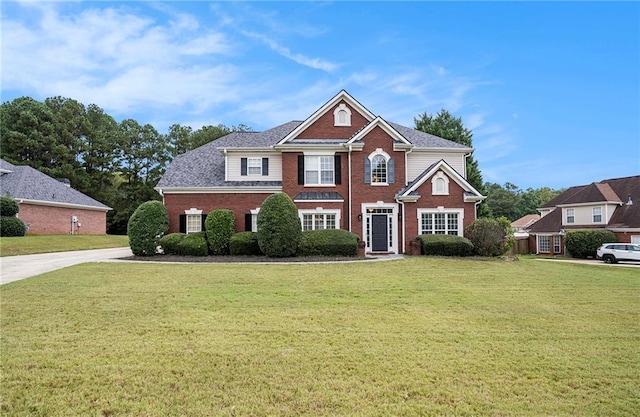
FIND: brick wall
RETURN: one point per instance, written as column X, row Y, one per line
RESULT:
column 47, row 220
column 324, row 128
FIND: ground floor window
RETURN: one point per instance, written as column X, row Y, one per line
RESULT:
column 440, row 222
column 557, row 244
column 319, row 219
column 194, row 223
column 543, row 244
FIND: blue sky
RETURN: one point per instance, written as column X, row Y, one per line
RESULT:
column 550, row 90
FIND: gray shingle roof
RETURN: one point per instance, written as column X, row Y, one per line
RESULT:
column 24, row 182
column 425, row 140
column 319, row 195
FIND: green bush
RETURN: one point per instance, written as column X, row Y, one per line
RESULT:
column 146, row 226
column 279, row 229
column 446, row 245
column 169, row 243
column 9, row 207
column 220, row 225
column 12, row 226
column 193, row 244
column 490, row 237
column 244, row 243
column 329, row 242
column 583, row 243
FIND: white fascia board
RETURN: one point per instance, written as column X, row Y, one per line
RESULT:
column 407, row 198
column 623, row 229
column 440, row 150
column 452, row 173
column 591, row 203
column 64, row 205
column 342, row 95
column 249, row 149
column 379, row 122
column 296, row 147
column 220, row 190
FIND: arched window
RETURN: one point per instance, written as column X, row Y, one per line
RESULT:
column 378, row 169
column 440, row 184
column 342, row 115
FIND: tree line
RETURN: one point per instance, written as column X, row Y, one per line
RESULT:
column 120, row 163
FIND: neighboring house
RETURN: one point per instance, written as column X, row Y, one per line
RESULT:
column 51, row 207
column 343, row 167
column 612, row 204
column 522, row 225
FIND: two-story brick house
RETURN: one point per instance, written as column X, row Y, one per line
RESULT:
column 343, row 167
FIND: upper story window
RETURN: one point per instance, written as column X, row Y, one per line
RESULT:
column 379, row 168
column 254, row 166
column 597, row 214
column 571, row 215
column 319, row 170
column 342, row 116
column 440, row 184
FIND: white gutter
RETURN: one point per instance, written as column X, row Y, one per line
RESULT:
column 350, row 194
column 65, row 205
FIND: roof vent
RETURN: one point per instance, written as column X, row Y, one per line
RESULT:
column 65, row 181
column 629, row 201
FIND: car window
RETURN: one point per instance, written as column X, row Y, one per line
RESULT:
column 634, row 247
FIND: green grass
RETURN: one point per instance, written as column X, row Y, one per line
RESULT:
column 30, row 244
column 421, row 336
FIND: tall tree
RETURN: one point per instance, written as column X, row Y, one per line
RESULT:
column 447, row 126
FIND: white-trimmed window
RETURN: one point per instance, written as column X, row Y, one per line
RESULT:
column 254, row 166
column 556, row 244
column 319, row 219
column 440, row 221
column 319, row 170
column 543, row 244
column 342, row 115
column 193, row 221
column 440, row 184
column 379, row 168
column 571, row 215
column 597, row 214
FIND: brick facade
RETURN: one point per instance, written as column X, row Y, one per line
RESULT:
column 48, row 220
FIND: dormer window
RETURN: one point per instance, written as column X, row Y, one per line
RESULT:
column 342, row 115
column 440, row 184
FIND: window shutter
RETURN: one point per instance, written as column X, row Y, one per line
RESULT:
column 247, row 222
column 243, row 166
column 367, row 171
column 183, row 223
column 300, row 169
column 337, row 169
column 391, row 171
column 265, row 166
column 202, row 227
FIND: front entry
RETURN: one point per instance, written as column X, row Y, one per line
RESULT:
column 379, row 233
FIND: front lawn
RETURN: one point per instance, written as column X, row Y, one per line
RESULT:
column 420, row 336
column 31, row 244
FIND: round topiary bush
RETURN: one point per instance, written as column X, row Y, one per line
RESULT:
column 220, row 225
column 446, row 245
column 490, row 237
column 146, row 226
column 244, row 244
column 279, row 229
column 9, row 207
column 328, row 242
column 12, row 226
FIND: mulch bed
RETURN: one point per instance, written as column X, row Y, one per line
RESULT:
column 243, row 259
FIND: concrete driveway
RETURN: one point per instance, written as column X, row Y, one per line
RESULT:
column 14, row 268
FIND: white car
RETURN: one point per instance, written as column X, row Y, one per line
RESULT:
column 614, row 252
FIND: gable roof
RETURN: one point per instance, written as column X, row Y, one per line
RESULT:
column 381, row 123
column 32, row 186
column 525, row 221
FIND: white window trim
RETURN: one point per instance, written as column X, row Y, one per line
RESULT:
column 257, row 161
column 593, row 215
column 441, row 210
column 254, row 219
column 319, row 170
column 336, row 115
column 434, row 181
column 539, row 242
column 319, row 210
column 387, row 157
column 573, row 216
column 193, row 213
column 394, row 217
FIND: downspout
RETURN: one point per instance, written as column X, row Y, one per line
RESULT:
column 226, row 165
column 350, row 195
column 406, row 181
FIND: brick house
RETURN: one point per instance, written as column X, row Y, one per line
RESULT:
column 343, row 167
column 51, row 207
column 604, row 205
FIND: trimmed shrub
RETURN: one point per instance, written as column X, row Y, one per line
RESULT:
column 146, row 226
column 446, row 245
column 279, row 229
column 583, row 243
column 193, row 244
column 169, row 243
column 9, row 207
column 12, row 226
column 244, row 244
column 220, row 225
column 329, row 242
column 490, row 237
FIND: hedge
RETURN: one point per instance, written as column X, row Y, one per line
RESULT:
column 12, row 226
column 9, row 207
column 279, row 228
column 583, row 243
column 146, row 226
column 244, row 244
column 446, row 245
column 169, row 243
column 193, row 244
column 329, row 242
column 220, row 225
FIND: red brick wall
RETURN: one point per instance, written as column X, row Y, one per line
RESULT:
column 324, row 128
column 47, row 220
column 239, row 203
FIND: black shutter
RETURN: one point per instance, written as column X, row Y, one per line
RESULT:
column 203, row 228
column 247, row 222
column 183, row 223
column 338, row 169
column 300, row 169
column 243, row 166
column 265, row 166
column 367, row 171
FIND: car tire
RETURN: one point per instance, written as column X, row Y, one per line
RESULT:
column 609, row 259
